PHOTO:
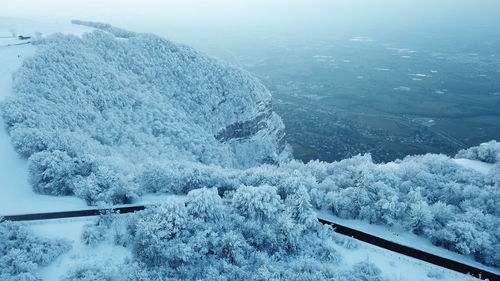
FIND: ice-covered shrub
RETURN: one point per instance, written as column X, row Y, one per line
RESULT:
column 21, row 252
column 90, row 273
column 488, row 152
column 365, row 271
column 205, row 204
column 434, row 274
column 257, row 202
column 93, row 234
column 52, row 172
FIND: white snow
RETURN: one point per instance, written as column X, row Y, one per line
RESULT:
column 106, row 253
column 403, row 237
column 395, row 266
column 479, row 166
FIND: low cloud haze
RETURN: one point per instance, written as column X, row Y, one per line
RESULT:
column 216, row 16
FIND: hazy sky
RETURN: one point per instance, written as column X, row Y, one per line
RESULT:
column 259, row 13
column 187, row 20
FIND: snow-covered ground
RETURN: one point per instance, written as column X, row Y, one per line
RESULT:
column 479, row 166
column 398, row 267
column 403, row 237
column 27, row 27
column 106, row 253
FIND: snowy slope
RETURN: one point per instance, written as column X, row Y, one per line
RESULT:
column 17, row 195
column 95, row 114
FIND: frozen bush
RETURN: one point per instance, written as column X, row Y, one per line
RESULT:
column 257, row 202
column 52, row 172
column 434, row 274
column 488, row 152
column 205, row 204
column 92, row 234
column 89, row 273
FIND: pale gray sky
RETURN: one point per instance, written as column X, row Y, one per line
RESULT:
column 256, row 13
column 188, row 20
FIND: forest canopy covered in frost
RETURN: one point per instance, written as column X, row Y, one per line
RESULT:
column 110, row 117
column 92, row 113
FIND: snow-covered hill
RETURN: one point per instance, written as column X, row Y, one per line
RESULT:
column 100, row 110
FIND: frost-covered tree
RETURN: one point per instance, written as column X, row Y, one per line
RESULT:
column 236, row 237
column 260, row 203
